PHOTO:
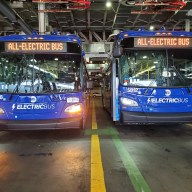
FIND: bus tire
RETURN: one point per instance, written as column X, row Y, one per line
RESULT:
column 117, row 123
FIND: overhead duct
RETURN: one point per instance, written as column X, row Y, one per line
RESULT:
column 154, row 6
column 13, row 17
column 64, row 5
column 16, row 4
column 114, row 33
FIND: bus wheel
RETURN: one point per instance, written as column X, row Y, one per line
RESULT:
column 117, row 123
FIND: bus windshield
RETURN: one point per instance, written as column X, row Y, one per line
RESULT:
column 39, row 73
column 156, row 68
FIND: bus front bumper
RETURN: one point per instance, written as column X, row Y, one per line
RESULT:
column 67, row 123
column 154, row 118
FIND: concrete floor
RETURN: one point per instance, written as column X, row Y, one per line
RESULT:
column 59, row 161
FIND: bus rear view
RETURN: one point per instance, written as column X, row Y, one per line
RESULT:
column 151, row 78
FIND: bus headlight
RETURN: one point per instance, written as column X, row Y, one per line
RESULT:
column 76, row 108
column 129, row 102
column 2, row 111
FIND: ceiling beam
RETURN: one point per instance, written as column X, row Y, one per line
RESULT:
column 73, row 21
column 115, row 17
column 14, row 17
column 136, row 20
column 99, row 39
column 88, row 18
column 72, row 18
column 177, row 23
column 90, row 36
column 104, row 36
column 169, row 18
column 83, row 36
column 104, row 18
column 92, row 26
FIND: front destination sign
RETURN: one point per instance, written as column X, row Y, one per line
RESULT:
column 162, row 42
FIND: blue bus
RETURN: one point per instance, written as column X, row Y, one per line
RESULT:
column 43, row 82
column 149, row 80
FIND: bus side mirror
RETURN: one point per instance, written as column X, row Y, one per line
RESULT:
column 117, row 52
column 89, row 84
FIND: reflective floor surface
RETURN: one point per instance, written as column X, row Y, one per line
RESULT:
column 133, row 158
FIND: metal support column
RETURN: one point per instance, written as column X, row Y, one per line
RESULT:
column 42, row 27
column 187, row 25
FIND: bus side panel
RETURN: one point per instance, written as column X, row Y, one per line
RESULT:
column 115, row 84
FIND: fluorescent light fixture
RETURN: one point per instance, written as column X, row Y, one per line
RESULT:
column 151, row 28
column 33, row 60
column 183, row 69
column 40, row 69
column 108, row 4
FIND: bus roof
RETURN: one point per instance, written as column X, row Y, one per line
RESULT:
column 143, row 33
column 63, row 38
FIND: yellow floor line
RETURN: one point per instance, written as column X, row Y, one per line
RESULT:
column 97, row 175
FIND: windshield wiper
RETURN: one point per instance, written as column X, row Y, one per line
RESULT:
column 146, row 91
column 47, row 88
column 16, row 89
column 181, row 77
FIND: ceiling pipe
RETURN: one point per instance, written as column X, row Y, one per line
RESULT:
column 154, row 6
column 70, row 5
column 13, row 16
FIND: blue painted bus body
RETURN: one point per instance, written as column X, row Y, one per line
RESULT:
column 62, row 38
column 44, row 113
column 142, row 33
column 155, row 106
column 45, row 110
column 150, row 82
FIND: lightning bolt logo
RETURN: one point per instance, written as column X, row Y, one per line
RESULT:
column 13, row 107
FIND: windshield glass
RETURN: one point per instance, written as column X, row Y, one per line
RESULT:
column 39, row 73
column 165, row 68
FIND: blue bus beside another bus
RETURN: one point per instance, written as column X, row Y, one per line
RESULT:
column 43, row 82
column 149, row 80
